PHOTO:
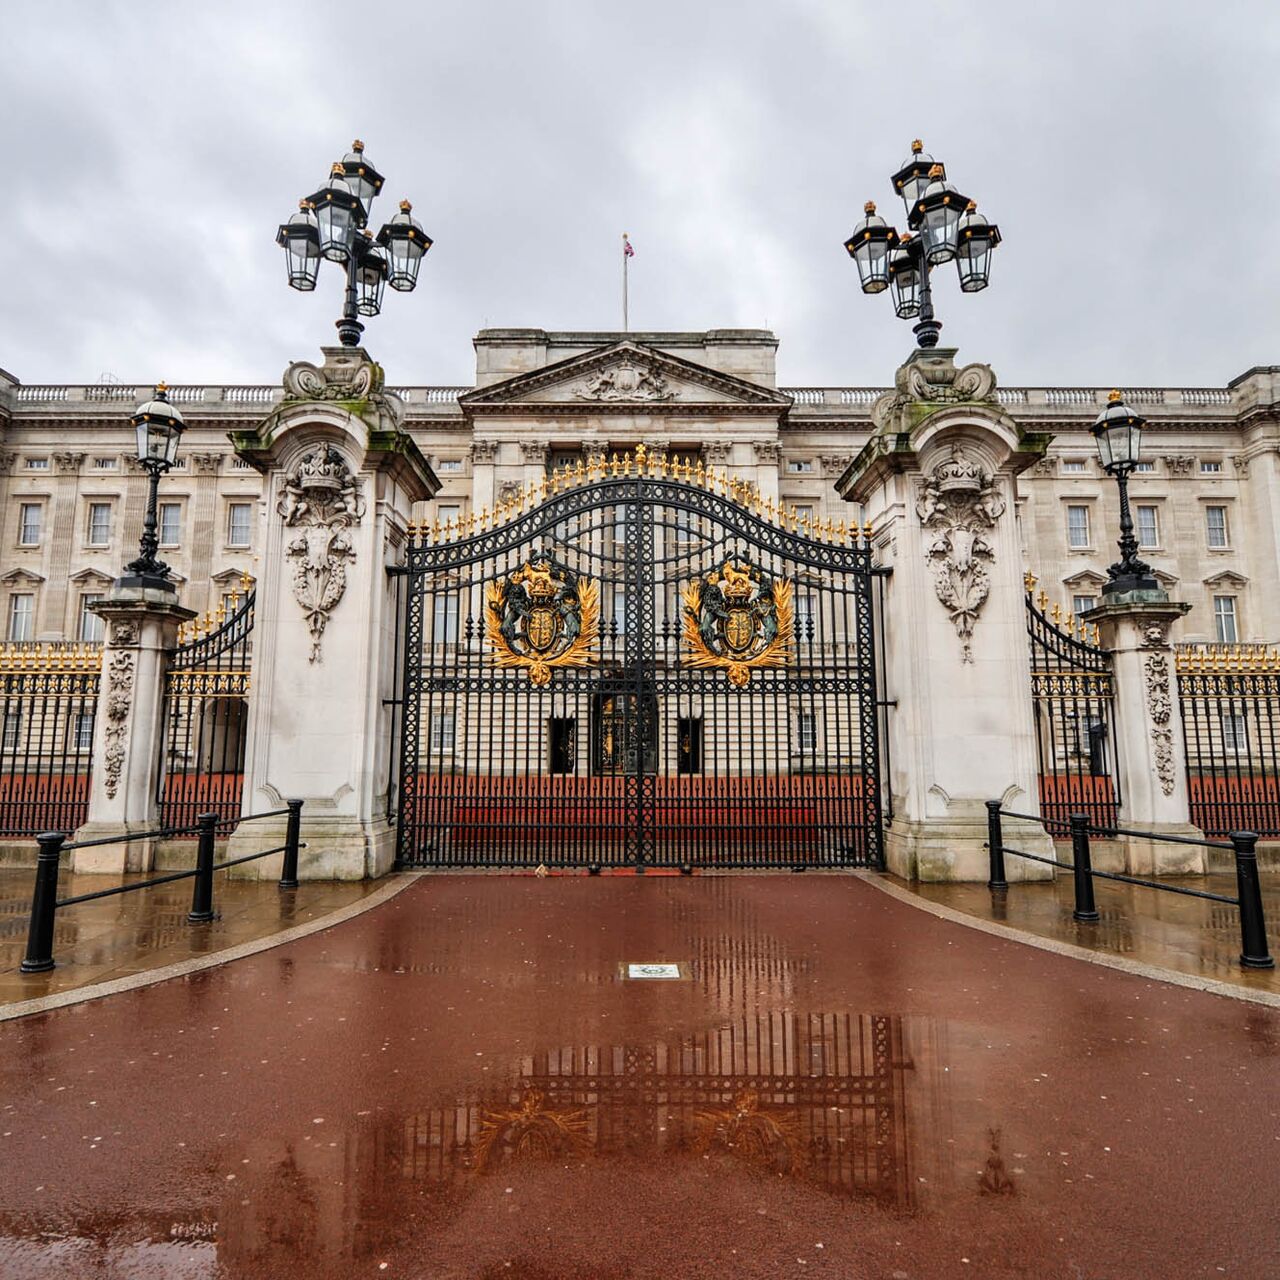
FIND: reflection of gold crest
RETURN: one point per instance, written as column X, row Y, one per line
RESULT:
column 542, row 616
column 738, row 617
column 532, row 1131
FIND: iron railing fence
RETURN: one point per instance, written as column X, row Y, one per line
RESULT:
column 48, row 708
column 1230, row 701
column 1073, row 702
column 206, row 714
column 45, row 902
column 1254, row 953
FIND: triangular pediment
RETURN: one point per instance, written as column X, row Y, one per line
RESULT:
column 22, row 577
column 624, row 377
column 1227, row 578
column 1086, row 580
column 90, row 578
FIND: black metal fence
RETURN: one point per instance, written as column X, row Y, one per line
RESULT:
column 206, row 713
column 643, row 665
column 48, row 706
column 1230, row 701
column 1072, row 694
column 1244, row 844
column 53, row 844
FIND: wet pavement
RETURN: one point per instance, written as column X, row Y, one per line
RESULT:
column 463, row 1082
column 133, row 932
column 1191, row 935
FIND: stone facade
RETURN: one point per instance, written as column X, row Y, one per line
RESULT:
column 71, row 499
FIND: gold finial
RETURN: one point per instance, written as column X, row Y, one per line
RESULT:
column 1114, row 397
column 866, row 530
column 405, row 206
column 1056, row 614
column 357, row 146
column 971, row 207
column 642, row 456
column 869, row 208
column 161, row 387
column 1029, row 581
column 1042, row 600
column 580, row 471
column 336, row 170
column 917, row 147
column 936, row 171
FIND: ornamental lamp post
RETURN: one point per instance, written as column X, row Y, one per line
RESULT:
column 158, row 426
column 947, row 226
column 1118, row 432
column 331, row 225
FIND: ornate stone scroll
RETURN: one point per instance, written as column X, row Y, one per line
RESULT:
column 321, row 499
column 119, row 700
column 957, row 505
column 738, row 618
column 541, row 617
column 1155, row 670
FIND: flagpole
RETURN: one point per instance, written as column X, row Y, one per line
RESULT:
column 625, row 256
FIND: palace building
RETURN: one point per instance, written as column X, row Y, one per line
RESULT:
column 1204, row 498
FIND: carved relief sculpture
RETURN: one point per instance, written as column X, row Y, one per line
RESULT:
column 739, row 618
column 542, row 616
column 321, row 500
column 958, row 505
column 116, row 733
column 625, row 380
column 1155, row 670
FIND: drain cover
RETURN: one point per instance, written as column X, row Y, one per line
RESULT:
column 658, row 971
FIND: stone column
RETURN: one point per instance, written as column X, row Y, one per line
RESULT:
column 141, row 626
column 1151, row 767
column 341, row 480
column 938, row 480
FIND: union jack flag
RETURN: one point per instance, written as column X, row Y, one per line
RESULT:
column 627, row 250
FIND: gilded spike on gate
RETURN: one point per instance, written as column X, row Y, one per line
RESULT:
column 580, row 471
column 1029, row 581
column 700, row 475
column 642, row 457
column 1056, row 614
column 1042, row 600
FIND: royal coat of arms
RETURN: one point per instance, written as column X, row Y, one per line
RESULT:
column 542, row 616
column 738, row 617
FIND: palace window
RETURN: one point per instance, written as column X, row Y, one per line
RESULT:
column 21, row 616
column 12, row 729
column 239, row 524
column 1224, row 619
column 442, row 733
column 1144, row 466
column 1209, row 468
column 81, row 735
column 30, row 517
column 170, row 530
column 1148, row 526
column 806, row 733
column 618, row 612
column 444, row 465
column 799, row 466
column 448, row 511
column 1082, row 604
column 1235, row 732
column 559, row 459
column 807, row 619
column 104, row 464
column 37, row 464
column 445, row 620
column 98, row 533
column 804, row 512
column 1077, row 526
column 90, row 623
column 1074, row 466
column 1215, row 527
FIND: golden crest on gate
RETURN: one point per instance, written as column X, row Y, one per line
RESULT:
column 542, row 616
column 738, row 617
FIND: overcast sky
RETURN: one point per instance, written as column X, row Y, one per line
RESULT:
column 1128, row 151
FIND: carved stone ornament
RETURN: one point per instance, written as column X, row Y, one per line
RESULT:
column 483, row 450
column 933, row 379
column 767, row 451
column 124, row 634
column 206, row 464
column 1155, row 668
column 509, row 490
column 541, row 617
column 836, row 464
column 957, row 505
column 718, row 452
column 625, row 380
column 1155, row 635
column 1241, row 465
column 321, row 499
column 116, row 732
column 67, row 464
column 534, row 451
column 1045, row 466
column 738, row 618
column 1180, row 464
column 347, row 377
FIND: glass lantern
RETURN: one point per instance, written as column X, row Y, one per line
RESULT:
column 405, row 242
column 869, row 247
column 1118, row 431
column 300, row 239
column 159, row 426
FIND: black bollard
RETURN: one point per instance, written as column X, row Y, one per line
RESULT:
column 289, row 868
column 202, row 890
column 995, row 847
column 44, row 902
column 1253, row 924
column 1086, row 909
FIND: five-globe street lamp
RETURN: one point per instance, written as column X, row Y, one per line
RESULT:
column 158, row 426
column 1118, row 432
column 331, row 225
column 947, row 226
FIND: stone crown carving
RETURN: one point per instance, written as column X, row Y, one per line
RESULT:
column 347, row 377
column 958, row 504
column 625, row 380
column 932, row 379
column 322, row 500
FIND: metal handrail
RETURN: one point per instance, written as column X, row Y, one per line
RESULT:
column 1254, row 953
column 45, row 901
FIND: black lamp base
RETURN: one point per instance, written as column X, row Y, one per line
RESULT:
column 147, row 582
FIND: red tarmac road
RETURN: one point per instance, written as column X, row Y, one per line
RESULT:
column 463, row 1083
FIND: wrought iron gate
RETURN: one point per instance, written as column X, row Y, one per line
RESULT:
column 206, row 714
column 1073, row 701
column 639, row 666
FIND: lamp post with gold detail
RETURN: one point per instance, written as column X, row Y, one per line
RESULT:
column 1118, row 433
column 947, row 227
column 331, row 225
column 159, row 426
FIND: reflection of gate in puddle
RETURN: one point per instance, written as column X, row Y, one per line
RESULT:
column 820, row 1097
